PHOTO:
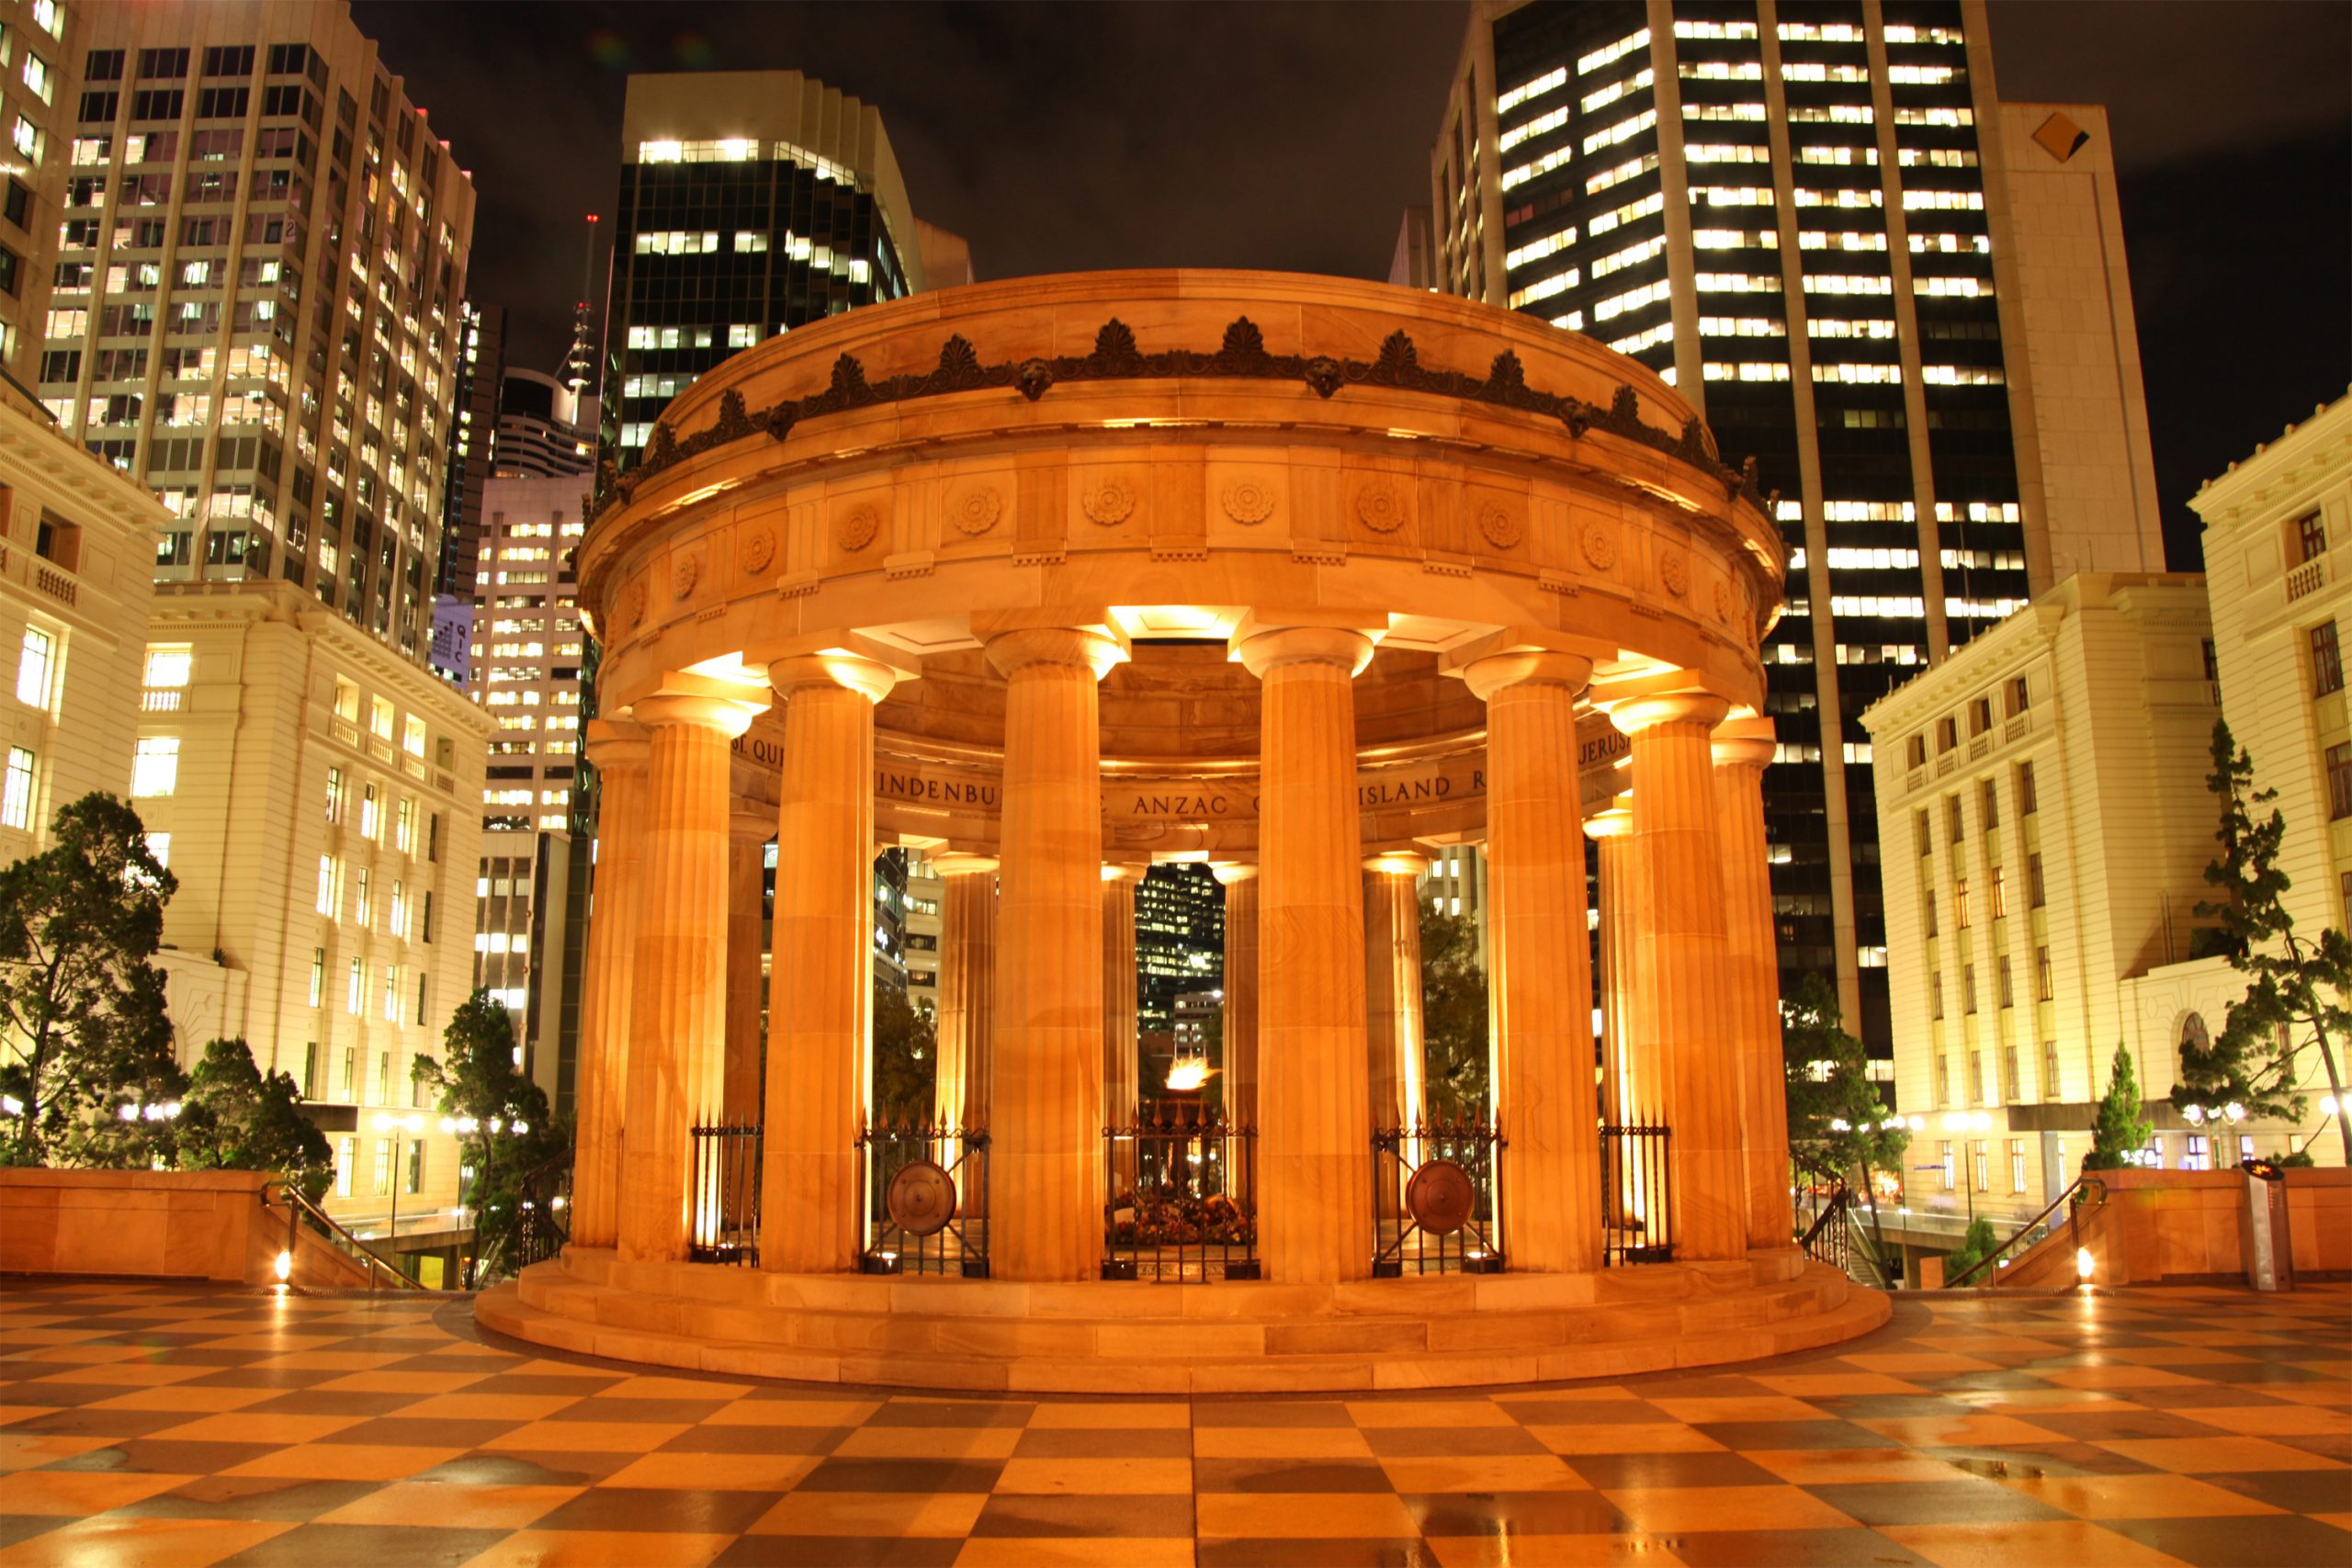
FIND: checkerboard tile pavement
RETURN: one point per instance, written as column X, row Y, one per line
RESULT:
column 178, row 1426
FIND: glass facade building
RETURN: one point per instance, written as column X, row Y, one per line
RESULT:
column 1180, row 942
column 1795, row 215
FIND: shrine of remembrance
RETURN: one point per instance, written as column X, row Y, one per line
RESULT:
column 1300, row 578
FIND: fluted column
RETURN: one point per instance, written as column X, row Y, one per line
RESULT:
column 747, row 840
column 1239, row 1029
column 1630, row 1090
column 1119, row 1025
column 1313, row 1144
column 1682, row 1015
column 1047, row 1098
column 1545, row 1095
column 820, row 1001
column 678, row 992
column 966, row 977
column 1743, row 749
column 618, row 750
column 1392, row 983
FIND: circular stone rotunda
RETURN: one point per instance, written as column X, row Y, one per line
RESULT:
column 1298, row 578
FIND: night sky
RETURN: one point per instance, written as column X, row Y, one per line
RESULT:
column 1061, row 137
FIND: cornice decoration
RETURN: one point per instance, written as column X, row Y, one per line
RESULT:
column 1118, row 357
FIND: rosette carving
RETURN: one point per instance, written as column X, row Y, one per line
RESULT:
column 633, row 603
column 976, row 511
column 759, row 550
column 1674, row 570
column 1109, row 503
column 685, row 572
column 1722, row 601
column 1599, row 547
column 1380, row 505
column 855, row 529
column 1249, row 501
column 1500, row 523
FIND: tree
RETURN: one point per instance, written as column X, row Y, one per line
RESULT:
column 79, row 1001
column 1976, row 1244
column 504, row 1131
column 1456, row 1044
column 2122, row 1128
column 2297, row 985
column 1837, row 1124
column 906, row 1058
column 236, row 1117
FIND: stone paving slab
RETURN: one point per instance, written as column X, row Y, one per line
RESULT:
column 183, row 1427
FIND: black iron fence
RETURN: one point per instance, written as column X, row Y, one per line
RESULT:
column 1437, row 1199
column 543, row 1218
column 1179, row 1201
column 926, row 1200
column 1637, row 1199
column 725, row 1197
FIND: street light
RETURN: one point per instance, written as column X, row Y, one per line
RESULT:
column 396, row 1125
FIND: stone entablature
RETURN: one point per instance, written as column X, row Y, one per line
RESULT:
column 1459, row 517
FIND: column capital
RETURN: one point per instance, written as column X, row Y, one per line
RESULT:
column 1616, row 822
column 1260, row 648
column 961, row 862
column 1526, row 667
column 1125, row 871
column 869, row 677
column 1743, row 743
column 1091, row 648
column 698, row 703
column 1397, row 862
column 616, row 743
column 1228, row 871
column 1638, row 714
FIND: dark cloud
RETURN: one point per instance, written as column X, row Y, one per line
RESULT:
column 1063, row 137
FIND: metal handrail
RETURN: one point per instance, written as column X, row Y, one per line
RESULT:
column 2084, row 1183
column 298, row 1205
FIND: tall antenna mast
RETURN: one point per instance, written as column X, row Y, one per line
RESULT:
column 577, row 369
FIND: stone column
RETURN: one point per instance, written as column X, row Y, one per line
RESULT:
column 619, row 749
column 1315, row 1124
column 967, row 976
column 747, row 840
column 1629, row 1082
column 1392, row 981
column 821, row 998
column 1239, row 1026
column 1545, row 1095
column 1047, row 1098
column 1743, row 749
column 1682, row 996
column 1120, row 1046
column 678, row 991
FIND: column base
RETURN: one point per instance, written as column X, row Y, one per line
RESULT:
column 1114, row 1338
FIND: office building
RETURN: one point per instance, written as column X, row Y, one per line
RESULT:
column 1180, row 942
column 525, row 656
column 37, row 110
column 543, row 431
column 752, row 202
column 2049, row 827
column 75, row 538
column 1905, row 298
column 926, row 898
column 317, row 794
column 259, row 281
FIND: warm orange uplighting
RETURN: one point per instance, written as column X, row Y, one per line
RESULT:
column 284, row 1267
column 1188, row 1075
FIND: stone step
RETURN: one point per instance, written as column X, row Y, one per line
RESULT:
column 1126, row 1352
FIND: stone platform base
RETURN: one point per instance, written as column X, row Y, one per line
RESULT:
column 996, row 1335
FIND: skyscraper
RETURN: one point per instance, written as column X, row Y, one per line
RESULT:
column 36, row 108
column 1180, row 942
column 1905, row 298
column 261, row 262
column 752, row 202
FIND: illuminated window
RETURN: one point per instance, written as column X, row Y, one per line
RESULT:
column 1595, row 184
column 1536, row 127
column 2043, row 990
column 17, row 791
column 1610, row 53
column 36, row 667
column 1549, row 82
column 155, row 769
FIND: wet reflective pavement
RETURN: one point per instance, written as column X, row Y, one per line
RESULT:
column 175, row 1427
